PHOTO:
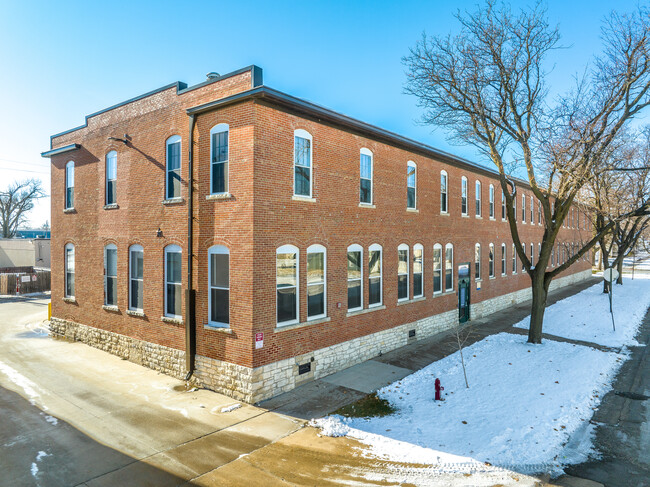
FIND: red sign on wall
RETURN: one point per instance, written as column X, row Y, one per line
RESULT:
column 259, row 340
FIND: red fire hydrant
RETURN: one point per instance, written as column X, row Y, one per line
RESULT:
column 438, row 389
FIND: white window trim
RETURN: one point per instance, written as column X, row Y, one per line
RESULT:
column 68, row 184
column 287, row 249
column 357, row 248
column 106, row 249
column 372, row 248
column 421, row 248
column 446, row 192
column 478, row 207
column 218, row 249
column 366, row 152
column 317, row 249
column 442, row 275
column 172, row 140
column 491, row 206
column 220, row 127
column 532, row 210
column 523, row 208
column 463, row 194
column 514, row 259
column 109, row 155
column 412, row 164
column 305, row 135
column 449, row 246
column 504, row 259
column 477, row 276
column 491, row 251
column 408, row 271
column 168, row 250
column 65, row 270
column 135, row 248
column 504, row 213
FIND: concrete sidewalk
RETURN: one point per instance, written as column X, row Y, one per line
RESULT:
column 323, row 396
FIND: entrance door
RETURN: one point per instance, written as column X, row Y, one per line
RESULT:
column 463, row 292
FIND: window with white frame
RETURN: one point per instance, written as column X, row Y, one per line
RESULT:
column 477, row 261
column 539, row 212
column 532, row 210
column 514, row 207
column 514, row 259
column 136, row 277
column 402, row 272
column 69, row 270
column 523, row 248
column 443, row 192
column 503, row 259
column 491, row 261
column 503, row 206
column 539, row 251
column 110, row 275
column 219, row 286
column 302, row 163
column 523, row 208
column 173, row 269
column 316, row 282
column 219, row 150
column 173, row 167
column 355, row 277
column 418, row 270
column 449, row 267
column 286, row 275
column 491, row 201
column 478, row 198
column 365, row 176
column 532, row 254
column 69, row 185
column 374, row 275
column 411, row 185
column 553, row 256
column 437, row 268
column 463, row 196
column 111, row 178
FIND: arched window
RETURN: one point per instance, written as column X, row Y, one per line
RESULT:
column 286, row 274
column 316, row 282
column 449, row 267
column 411, row 185
column 219, row 155
column 402, row 272
column 365, row 176
column 355, row 277
column 491, row 201
column 418, row 270
column 532, row 254
column 532, row 210
column 503, row 206
column 374, row 275
column 173, row 167
column 443, row 192
column 219, row 286
column 514, row 259
column 69, row 270
column 437, row 268
column 514, row 207
column 491, row 261
column 503, row 259
column 523, row 208
column 478, row 198
column 69, row 185
column 110, row 275
column 477, row 261
column 136, row 277
column 173, row 269
column 539, row 212
column 111, row 178
column 463, row 196
column 302, row 163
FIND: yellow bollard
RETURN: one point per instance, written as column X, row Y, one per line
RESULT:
column 49, row 310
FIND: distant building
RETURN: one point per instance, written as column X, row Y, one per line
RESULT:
column 33, row 233
column 24, row 252
column 315, row 241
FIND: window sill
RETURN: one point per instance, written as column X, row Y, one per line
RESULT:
column 366, row 205
column 220, row 329
column 171, row 319
column 444, row 213
column 409, row 301
column 280, row 328
column 112, row 206
column 296, row 197
column 464, row 215
column 69, row 210
column 478, row 217
column 443, row 293
column 133, row 312
column 219, row 196
column 70, row 300
column 367, row 310
column 492, row 277
column 111, row 308
column 173, row 201
column 492, row 218
column 413, row 210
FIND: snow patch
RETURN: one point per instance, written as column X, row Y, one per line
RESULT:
column 230, row 408
column 23, row 382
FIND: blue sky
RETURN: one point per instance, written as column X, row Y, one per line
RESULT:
column 63, row 60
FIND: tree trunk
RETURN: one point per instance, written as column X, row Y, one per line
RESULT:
column 619, row 268
column 540, row 293
column 605, row 260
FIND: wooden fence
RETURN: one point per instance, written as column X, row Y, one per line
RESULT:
column 17, row 283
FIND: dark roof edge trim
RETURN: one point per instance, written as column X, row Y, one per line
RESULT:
column 61, row 150
column 181, row 88
column 266, row 93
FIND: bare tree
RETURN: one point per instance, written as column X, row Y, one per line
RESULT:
column 15, row 202
column 487, row 87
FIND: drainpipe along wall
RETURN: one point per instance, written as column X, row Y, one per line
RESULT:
column 190, row 293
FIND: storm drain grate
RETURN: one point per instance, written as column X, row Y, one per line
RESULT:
column 632, row 395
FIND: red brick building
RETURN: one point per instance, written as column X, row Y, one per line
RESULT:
column 256, row 240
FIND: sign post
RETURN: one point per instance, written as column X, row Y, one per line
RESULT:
column 610, row 275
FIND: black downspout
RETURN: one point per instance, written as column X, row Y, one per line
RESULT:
column 190, row 294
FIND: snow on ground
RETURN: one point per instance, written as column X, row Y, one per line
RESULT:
column 522, row 405
column 585, row 316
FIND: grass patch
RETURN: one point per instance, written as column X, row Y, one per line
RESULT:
column 369, row 406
